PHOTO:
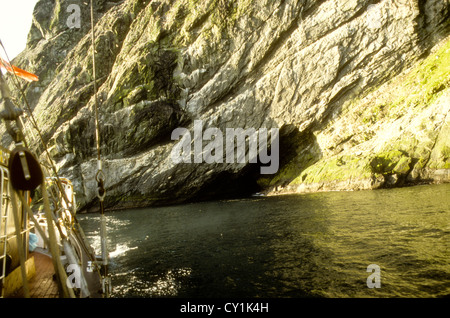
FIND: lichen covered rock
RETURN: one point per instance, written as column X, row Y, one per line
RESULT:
column 334, row 77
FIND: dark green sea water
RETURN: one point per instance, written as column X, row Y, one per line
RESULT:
column 308, row 245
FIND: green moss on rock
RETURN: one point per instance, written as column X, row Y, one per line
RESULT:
column 338, row 168
column 389, row 162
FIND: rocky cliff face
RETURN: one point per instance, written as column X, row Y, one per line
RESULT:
column 346, row 83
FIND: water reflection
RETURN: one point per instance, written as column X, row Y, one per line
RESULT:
column 316, row 245
column 164, row 285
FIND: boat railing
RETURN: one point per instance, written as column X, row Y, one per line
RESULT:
column 3, row 224
column 8, row 233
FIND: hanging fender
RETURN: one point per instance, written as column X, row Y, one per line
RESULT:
column 25, row 170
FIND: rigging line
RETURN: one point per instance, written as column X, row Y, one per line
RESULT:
column 16, row 83
column 94, row 74
column 87, row 248
column 34, row 123
column 106, row 280
column 53, row 168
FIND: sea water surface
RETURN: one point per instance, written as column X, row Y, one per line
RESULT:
column 305, row 245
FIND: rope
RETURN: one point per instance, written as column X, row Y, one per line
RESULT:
column 52, row 164
column 76, row 226
column 34, row 123
column 100, row 176
column 94, row 73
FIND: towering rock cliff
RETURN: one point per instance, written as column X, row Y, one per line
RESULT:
column 358, row 89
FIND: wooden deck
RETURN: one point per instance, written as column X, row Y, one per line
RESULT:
column 42, row 284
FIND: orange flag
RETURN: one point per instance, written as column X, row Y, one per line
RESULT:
column 30, row 77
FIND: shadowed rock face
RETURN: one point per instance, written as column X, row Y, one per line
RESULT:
column 339, row 79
